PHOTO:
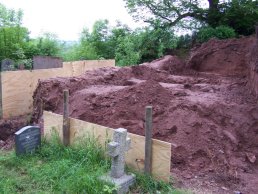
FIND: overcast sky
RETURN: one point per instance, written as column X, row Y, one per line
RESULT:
column 66, row 18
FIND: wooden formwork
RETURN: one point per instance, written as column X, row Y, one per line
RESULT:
column 161, row 151
column 17, row 87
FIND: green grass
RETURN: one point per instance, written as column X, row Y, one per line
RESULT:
column 58, row 169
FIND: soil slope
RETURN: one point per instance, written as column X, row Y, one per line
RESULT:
column 203, row 107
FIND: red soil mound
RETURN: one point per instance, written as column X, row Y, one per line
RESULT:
column 207, row 115
column 227, row 57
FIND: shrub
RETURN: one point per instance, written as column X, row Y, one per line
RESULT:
column 220, row 32
column 224, row 32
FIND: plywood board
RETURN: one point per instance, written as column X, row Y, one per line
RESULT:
column 16, row 93
column 68, row 69
column 134, row 157
column 19, row 86
column 52, row 123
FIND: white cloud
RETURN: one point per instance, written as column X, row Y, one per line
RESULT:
column 66, row 18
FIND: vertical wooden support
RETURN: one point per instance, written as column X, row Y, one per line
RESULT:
column 148, row 140
column 41, row 107
column 1, row 95
column 66, row 123
column 256, row 30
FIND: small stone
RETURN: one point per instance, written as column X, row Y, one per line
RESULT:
column 230, row 136
column 180, row 93
column 251, row 157
column 174, row 145
column 187, row 86
column 2, row 143
column 225, row 188
column 221, row 151
column 187, row 176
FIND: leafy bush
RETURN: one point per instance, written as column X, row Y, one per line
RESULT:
column 224, row 32
column 126, row 52
column 220, row 32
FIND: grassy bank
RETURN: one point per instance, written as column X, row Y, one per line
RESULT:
column 57, row 169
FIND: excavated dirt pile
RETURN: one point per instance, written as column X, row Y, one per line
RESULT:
column 203, row 107
column 226, row 57
column 7, row 129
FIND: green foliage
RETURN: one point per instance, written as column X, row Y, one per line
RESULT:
column 154, row 42
column 166, row 13
column 126, row 52
column 120, row 42
column 10, row 17
column 12, row 42
column 70, row 51
column 96, row 44
column 147, row 184
column 109, row 189
column 220, row 32
column 55, row 168
column 143, row 45
column 47, row 45
column 226, row 19
column 15, row 43
column 184, row 41
column 241, row 15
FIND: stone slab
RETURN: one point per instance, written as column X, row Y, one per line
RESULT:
column 123, row 183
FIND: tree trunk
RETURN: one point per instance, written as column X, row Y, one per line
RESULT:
column 213, row 13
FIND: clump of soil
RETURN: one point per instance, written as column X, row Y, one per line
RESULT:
column 203, row 108
column 7, row 129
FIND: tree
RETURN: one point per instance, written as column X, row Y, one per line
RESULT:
column 13, row 37
column 10, row 17
column 153, row 42
column 126, row 52
column 177, row 12
column 96, row 45
column 241, row 15
column 47, row 45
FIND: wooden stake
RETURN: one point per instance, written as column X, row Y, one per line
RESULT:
column 41, row 107
column 66, row 123
column 148, row 140
column 1, row 95
column 256, row 30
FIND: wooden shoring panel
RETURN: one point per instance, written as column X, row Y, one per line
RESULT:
column 16, row 92
column 161, row 156
column 19, row 86
column 68, row 69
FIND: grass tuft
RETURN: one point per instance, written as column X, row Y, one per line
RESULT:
column 55, row 168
